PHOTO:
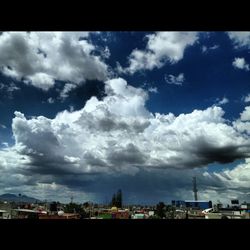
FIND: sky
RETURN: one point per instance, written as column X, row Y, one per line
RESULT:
column 84, row 114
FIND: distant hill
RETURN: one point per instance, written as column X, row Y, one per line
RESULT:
column 17, row 198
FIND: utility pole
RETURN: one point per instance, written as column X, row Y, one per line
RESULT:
column 195, row 190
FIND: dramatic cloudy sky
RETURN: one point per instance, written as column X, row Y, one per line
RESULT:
column 87, row 113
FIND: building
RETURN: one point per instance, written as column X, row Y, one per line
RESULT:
column 192, row 204
column 64, row 216
column 113, row 213
column 198, row 204
column 21, row 213
column 178, row 203
column 139, row 216
column 4, row 214
column 121, row 214
column 5, row 210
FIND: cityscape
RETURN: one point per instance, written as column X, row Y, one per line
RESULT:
column 124, row 125
column 178, row 209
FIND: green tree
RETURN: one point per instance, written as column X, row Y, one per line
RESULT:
column 86, row 204
column 119, row 198
column 170, row 212
column 72, row 208
column 76, row 208
column 113, row 201
column 161, row 210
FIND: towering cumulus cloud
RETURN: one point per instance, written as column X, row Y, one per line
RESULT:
column 118, row 134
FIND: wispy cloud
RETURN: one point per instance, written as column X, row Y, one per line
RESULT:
column 246, row 98
column 2, row 126
column 9, row 89
column 222, row 101
column 206, row 49
column 68, row 87
column 177, row 80
column 153, row 90
column 50, row 100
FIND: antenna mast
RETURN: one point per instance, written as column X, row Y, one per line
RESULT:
column 195, row 190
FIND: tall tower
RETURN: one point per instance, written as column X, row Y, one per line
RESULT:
column 195, row 190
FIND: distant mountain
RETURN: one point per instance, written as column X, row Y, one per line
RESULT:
column 17, row 198
column 8, row 196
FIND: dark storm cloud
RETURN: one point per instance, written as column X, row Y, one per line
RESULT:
column 127, row 155
column 209, row 153
column 91, row 159
column 154, row 186
column 52, row 166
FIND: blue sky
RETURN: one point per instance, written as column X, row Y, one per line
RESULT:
column 89, row 113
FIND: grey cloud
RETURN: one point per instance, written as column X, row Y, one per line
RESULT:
column 130, row 154
column 31, row 57
column 109, row 122
column 222, row 155
column 91, row 159
column 209, row 152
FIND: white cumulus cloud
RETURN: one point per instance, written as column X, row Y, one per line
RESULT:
column 240, row 38
column 240, row 63
column 40, row 58
column 118, row 133
column 243, row 123
column 161, row 47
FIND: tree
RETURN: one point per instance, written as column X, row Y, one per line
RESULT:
column 86, row 204
column 72, row 208
column 161, row 209
column 76, row 208
column 117, row 199
column 53, row 206
column 210, row 204
column 113, row 202
column 170, row 212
